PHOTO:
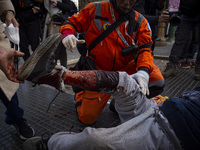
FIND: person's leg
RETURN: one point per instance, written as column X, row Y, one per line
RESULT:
column 63, row 55
column 33, row 33
column 197, row 68
column 14, row 116
column 156, row 82
column 181, row 36
column 89, row 105
column 198, row 56
column 194, row 43
column 13, row 112
column 183, row 60
column 186, row 47
column 23, row 41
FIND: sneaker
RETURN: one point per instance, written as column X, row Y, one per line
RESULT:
column 170, row 70
column 184, row 65
column 41, row 61
column 37, row 143
column 197, row 72
column 24, row 129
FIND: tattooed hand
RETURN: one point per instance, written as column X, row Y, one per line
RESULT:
column 7, row 64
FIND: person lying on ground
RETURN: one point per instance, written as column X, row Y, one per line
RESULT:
column 144, row 124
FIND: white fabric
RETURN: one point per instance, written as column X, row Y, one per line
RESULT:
column 142, row 79
column 63, row 70
column 12, row 33
column 70, row 42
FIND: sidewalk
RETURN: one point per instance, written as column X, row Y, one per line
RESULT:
column 61, row 114
column 163, row 51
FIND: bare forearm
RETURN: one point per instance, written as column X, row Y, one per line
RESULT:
column 83, row 79
column 92, row 80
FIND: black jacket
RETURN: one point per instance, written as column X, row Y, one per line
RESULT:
column 68, row 7
column 189, row 7
column 25, row 13
column 148, row 9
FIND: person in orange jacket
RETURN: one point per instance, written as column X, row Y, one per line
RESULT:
column 108, row 55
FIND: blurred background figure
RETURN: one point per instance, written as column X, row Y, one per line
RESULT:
column 151, row 9
column 27, row 14
column 188, row 56
column 190, row 16
column 58, row 12
column 8, row 95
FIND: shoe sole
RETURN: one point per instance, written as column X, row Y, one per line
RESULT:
column 48, row 46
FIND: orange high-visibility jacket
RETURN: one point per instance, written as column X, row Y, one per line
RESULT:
column 94, row 18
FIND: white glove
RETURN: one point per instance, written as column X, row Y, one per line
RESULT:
column 142, row 79
column 70, row 42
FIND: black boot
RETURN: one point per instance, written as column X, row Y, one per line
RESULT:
column 170, row 70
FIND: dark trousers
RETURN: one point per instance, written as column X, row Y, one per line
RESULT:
column 191, row 45
column 29, row 33
column 198, row 52
column 61, row 54
column 184, row 116
column 198, row 57
column 181, row 36
column 13, row 112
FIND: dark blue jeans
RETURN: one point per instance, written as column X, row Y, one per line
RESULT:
column 13, row 112
column 184, row 116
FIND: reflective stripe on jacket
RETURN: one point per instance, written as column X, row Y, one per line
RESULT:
column 94, row 19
